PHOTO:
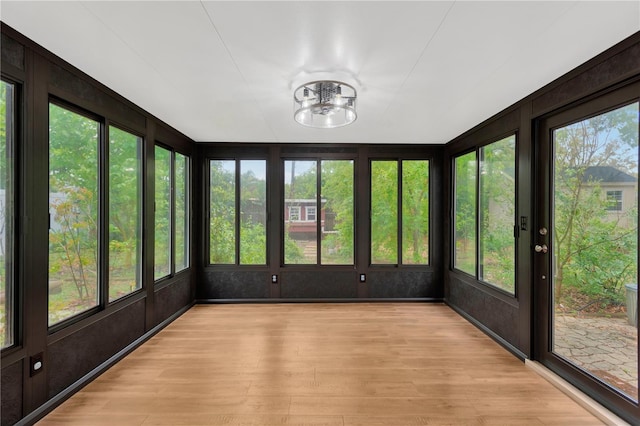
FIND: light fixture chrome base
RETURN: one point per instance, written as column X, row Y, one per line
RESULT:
column 325, row 104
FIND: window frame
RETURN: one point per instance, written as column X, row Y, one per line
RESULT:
column 516, row 228
column 140, row 201
column 614, row 202
column 399, row 225
column 13, row 311
column 101, row 171
column 103, row 199
column 173, row 271
column 237, row 214
column 318, row 159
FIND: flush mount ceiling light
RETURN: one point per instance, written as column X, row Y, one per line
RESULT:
column 325, row 104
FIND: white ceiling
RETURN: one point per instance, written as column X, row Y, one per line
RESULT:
column 425, row 71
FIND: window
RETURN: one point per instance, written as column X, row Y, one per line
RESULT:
column 7, row 138
column 171, row 244
column 400, row 212
column 125, row 213
column 484, row 204
column 614, row 201
column 73, row 209
column 181, row 212
column 238, row 212
column 294, row 213
column 162, row 228
column 310, row 213
column 323, row 235
column 465, row 213
column 497, row 204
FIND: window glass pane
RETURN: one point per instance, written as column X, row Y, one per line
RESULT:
column 497, row 213
column 336, row 213
column 73, row 209
column 7, row 324
column 595, row 248
column 300, row 192
column 465, row 213
column 222, row 244
column 162, row 243
column 253, row 212
column 182, row 212
column 415, row 212
column 384, row 212
column 125, row 213
column 614, row 201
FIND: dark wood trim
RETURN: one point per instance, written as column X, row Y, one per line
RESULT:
column 486, row 330
column 54, row 402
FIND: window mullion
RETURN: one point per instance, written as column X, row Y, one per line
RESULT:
column 399, row 223
column 238, row 176
column 478, row 153
column 318, row 211
column 103, row 215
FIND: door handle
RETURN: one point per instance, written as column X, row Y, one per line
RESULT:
column 541, row 248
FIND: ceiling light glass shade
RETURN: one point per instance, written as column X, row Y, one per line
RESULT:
column 325, row 104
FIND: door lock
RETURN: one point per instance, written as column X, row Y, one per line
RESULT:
column 541, row 248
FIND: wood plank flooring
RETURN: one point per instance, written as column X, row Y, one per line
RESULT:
column 320, row 364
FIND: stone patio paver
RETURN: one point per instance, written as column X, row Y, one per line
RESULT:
column 605, row 347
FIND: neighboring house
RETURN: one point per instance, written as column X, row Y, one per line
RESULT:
column 301, row 216
column 619, row 189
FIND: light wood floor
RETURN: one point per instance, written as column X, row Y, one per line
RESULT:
column 320, row 364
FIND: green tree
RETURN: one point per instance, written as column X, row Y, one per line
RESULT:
column 594, row 252
column 465, row 212
column 415, row 211
column 222, row 212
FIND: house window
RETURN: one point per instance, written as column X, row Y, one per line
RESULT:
column 237, row 209
column 319, row 201
column 294, row 213
column 400, row 212
column 484, row 213
column 310, row 213
column 614, row 201
column 7, row 289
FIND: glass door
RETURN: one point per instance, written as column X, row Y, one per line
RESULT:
column 586, row 248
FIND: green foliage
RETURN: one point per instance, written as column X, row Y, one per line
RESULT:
column 465, row 212
column 162, row 221
column 497, row 213
column 6, row 291
column 73, row 187
column 384, row 212
column 222, row 212
column 415, row 212
column 181, row 171
column 337, row 193
column 595, row 250
column 125, row 211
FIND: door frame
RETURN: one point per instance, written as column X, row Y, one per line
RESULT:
column 543, row 126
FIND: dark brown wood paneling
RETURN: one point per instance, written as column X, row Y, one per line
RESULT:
column 170, row 298
column 611, row 70
column 11, row 393
column 12, row 52
column 70, row 358
column 403, row 284
column 233, row 284
column 318, row 284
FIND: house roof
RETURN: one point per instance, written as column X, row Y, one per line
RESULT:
column 606, row 174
